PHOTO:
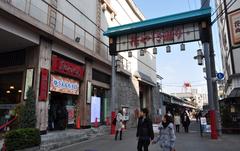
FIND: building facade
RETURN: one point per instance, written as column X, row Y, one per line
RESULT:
column 229, row 43
column 58, row 48
column 193, row 96
column 229, row 34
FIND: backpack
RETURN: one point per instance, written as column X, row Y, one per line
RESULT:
column 114, row 122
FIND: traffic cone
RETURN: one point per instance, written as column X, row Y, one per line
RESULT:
column 4, row 147
column 78, row 123
column 96, row 123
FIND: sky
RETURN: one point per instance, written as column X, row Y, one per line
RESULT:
column 178, row 67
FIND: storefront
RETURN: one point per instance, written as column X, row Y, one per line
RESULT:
column 65, row 80
column 100, row 104
column 11, row 82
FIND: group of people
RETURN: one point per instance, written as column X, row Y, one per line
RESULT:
column 145, row 134
column 182, row 119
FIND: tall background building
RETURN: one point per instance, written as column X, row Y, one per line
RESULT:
column 228, row 18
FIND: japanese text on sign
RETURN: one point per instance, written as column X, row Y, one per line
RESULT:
column 158, row 37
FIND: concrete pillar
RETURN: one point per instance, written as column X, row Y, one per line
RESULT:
column 85, row 112
column 44, row 61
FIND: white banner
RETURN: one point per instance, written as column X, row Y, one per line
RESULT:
column 95, row 108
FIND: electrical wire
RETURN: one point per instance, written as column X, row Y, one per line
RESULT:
column 223, row 11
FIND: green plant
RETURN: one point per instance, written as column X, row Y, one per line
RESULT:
column 17, row 112
column 22, row 138
column 27, row 116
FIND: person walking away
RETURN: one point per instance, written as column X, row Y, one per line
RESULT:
column 144, row 130
column 119, row 124
column 177, row 122
column 166, row 137
column 185, row 121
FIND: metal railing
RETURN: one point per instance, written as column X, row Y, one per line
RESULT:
column 123, row 63
column 41, row 10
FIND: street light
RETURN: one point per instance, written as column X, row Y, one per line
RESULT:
column 168, row 49
column 199, row 57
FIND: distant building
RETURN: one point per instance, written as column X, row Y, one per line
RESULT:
column 199, row 99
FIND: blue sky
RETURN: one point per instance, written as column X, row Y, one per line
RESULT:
column 178, row 67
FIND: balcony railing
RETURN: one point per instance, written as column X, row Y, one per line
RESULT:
column 41, row 10
column 123, row 63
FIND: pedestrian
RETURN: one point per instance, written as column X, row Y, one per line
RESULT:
column 199, row 115
column 185, row 121
column 144, row 130
column 177, row 121
column 166, row 137
column 119, row 124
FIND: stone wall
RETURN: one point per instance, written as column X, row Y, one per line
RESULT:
column 127, row 95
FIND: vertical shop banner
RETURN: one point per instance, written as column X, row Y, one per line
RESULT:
column 95, row 108
column 43, row 90
column 234, row 21
column 64, row 85
column 28, row 81
column 70, row 110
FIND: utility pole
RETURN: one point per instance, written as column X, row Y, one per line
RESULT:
column 113, row 53
column 206, row 39
column 206, row 3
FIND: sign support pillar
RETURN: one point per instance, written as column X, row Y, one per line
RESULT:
column 210, row 90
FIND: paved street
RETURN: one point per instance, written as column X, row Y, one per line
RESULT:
column 185, row 142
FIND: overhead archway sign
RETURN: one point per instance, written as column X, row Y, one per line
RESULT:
column 173, row 29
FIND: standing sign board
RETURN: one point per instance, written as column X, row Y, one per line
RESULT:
column 204, row 127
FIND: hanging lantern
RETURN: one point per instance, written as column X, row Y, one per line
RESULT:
column 168, row 49
column 182, row 47
column 154, row 50
column 129, row 54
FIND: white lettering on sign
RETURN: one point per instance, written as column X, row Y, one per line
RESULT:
column 158, row 37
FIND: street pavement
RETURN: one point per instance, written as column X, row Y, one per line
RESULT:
column 191, row 141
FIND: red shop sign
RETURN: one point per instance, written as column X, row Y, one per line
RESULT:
column 65, row 67
column 43, row 90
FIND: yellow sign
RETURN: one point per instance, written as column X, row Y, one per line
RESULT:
column 64, row 85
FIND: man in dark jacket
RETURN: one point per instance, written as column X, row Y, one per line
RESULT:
column 144, row 130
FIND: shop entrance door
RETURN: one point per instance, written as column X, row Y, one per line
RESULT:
column 61, row 111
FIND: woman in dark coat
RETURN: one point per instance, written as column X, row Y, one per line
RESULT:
column 144, row 130
column 185, row 121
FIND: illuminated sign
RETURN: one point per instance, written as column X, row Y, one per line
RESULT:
column 64, row 85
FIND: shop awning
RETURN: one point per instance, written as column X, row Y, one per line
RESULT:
column 235, row 93
column 144, row 78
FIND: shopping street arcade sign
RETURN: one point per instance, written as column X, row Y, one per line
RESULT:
column 173, row 29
